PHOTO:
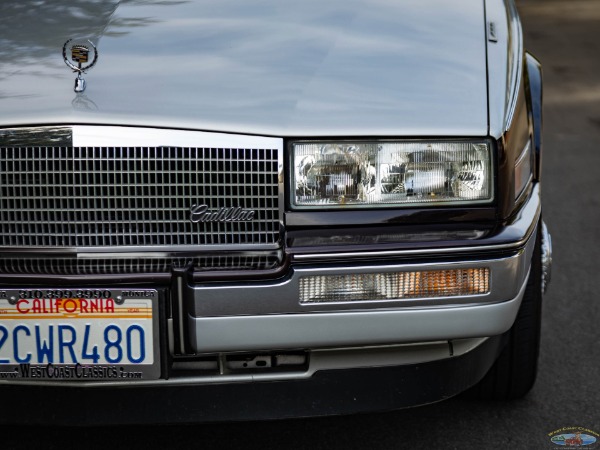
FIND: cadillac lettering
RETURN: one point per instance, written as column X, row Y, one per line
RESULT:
column 308, row 207
column 201, row 213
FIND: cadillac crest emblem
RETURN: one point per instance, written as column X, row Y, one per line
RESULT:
column 79, row 57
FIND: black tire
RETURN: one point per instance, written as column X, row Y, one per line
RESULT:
column 513, row 374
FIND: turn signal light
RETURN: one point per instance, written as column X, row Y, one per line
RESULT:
column 394, row 285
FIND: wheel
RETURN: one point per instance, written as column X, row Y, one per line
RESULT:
column 513, row 374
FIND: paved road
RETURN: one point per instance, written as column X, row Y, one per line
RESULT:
column 565, row 35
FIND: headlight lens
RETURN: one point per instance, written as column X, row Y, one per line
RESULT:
column 390, row 173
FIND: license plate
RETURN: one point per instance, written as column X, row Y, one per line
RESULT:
column 87, row 334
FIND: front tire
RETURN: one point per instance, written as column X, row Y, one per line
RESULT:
column 513, row 374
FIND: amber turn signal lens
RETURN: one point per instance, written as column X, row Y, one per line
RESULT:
column 394, row 285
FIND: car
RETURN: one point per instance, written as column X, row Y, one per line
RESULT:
column 215, row 211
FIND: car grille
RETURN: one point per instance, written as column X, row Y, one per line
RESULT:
column 94, row 197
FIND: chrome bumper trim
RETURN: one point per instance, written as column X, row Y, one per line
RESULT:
column 546, row 257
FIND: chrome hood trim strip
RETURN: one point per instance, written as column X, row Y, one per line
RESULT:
column 59, row 136
column 120, row 136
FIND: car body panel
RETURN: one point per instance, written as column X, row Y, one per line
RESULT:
column 345, row 68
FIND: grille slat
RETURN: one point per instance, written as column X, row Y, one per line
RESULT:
column 137, row 265
column 135, row 196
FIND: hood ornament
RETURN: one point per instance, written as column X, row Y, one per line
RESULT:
column 80, row 55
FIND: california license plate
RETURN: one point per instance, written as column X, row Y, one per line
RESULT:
column 87, row 334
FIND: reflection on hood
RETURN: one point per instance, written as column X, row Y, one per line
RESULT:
column 339, row 68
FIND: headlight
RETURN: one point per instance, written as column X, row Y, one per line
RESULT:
column 330, row 174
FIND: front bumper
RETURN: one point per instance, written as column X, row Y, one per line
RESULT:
column 352, row 328
column 336, row 391
column 417, row 351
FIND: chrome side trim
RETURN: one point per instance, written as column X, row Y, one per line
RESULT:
column 525, row 223
column 546, row 257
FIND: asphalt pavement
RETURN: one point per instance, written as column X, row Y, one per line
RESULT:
column 565, row 36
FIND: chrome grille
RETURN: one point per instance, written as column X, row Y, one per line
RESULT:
column 135, row 196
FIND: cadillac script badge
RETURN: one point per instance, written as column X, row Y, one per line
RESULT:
column 79, row 57
column 201, row 213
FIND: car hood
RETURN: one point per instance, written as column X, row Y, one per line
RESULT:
column 302, row 68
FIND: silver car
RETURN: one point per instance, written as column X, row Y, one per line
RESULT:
column 229, row 210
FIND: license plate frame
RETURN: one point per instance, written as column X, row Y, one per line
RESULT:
column 71, row 322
